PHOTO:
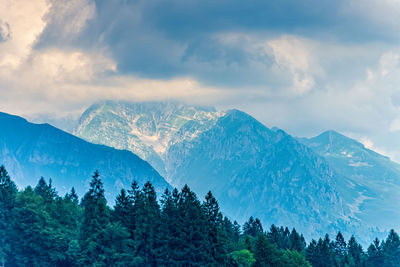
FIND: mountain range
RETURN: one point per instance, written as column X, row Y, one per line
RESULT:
column 317, row 185
column 30, row 151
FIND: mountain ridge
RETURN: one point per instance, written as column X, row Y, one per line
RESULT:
column 32, row 150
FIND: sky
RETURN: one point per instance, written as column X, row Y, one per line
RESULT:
column 303, row 66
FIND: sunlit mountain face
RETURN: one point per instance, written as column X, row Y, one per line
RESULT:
column 319, row 185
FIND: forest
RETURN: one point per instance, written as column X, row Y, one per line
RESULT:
column 40, row 228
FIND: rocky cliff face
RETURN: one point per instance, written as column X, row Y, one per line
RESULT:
column 313, row 185
column 372, row 182
column 254, row 171
column 147, row 129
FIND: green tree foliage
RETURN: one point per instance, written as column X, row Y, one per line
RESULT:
column 242, row 258
column 40, row 228
column 252, row 227
column 265, row 253
column 95, row 220
column 391, row 250
column 32, row 224
column 147, row 225
column 8, row 192
column 355, row 252
column 375, row 254
column 216, row 248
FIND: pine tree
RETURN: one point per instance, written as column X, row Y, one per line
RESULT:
column 135, row 200
column 8, row 192
column 391, row 249
column 37, row 241
column 296, row 241
column 95, row 219
column 147, row 226
column 69, row 219
column 192, row 232
column 169, row 229
column 232, row 233
column 46, row 191
column 340, row 245
column 122, row 208
column 266, row 254
column 216, row 237
column 355, row 252
column 274, row 235
column 73, row 196
column 311, row 252
column 320, row 254
column 375, row 254
column 252, row 227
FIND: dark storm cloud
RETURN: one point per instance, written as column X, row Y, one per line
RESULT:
column 166, row 39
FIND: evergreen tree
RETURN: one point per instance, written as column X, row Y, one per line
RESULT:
column 73, row 196
column 192, row 232
column 232, row 234
column 216, row 239
column 46, row 191
column 266, row 254
column 312, row 253
column 274, row 235
column 147, row 226
column 37, row 241
column 320, row 254
column 375, row 254
column 252, row 227
column 391, row 249
column 135, row 200
column 355, row 252
column 8, row 192
column 69, row 221
column 340, row 245
column 95, row 219
column 115, row 243
column 340, row 250
column 122, row 208
column 296, row 241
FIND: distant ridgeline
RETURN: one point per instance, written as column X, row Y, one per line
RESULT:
column 40, row 228
column 318, row 185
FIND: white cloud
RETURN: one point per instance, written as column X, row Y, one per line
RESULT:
column 294, row 54
column 24, row 24
column 311, row 85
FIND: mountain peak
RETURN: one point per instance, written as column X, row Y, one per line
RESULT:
column 146, row 128
column 30, row 150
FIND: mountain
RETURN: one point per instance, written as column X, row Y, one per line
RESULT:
column 372, row 182
column 147, row 129
column 29, row 151
column 255, row 171
column 251, row 169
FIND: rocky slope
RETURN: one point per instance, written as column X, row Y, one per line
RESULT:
column 147, row 129
column 29, row 151
column 372, row 183
column 252, row 170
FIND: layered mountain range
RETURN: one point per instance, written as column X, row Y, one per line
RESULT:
column 317, row 185
column 30, row 151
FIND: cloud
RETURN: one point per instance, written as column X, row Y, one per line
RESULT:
column 21, row 24
column 304, row 66
column 294, row 55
